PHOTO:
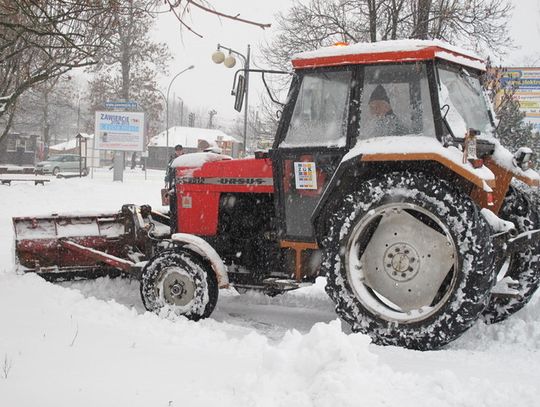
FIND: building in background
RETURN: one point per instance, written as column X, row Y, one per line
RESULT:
column 20, row 149
column 192, row 139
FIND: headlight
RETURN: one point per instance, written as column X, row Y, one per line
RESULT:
column 523, row 157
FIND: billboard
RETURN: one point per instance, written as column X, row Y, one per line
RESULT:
column 527, row 82
column 120, row 131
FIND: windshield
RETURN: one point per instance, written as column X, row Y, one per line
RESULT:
column 462, row 101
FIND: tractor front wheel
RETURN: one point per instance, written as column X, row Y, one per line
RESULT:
column 179, row 282
column 407, row 260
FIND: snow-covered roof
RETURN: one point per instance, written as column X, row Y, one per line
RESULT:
column 70, row 144
column 189, row 137
column 386, row 51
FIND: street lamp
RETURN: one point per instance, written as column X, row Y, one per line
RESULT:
column 181, row 110
column 167, row 101
column 229, row 61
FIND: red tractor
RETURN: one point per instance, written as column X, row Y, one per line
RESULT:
column 384, row 176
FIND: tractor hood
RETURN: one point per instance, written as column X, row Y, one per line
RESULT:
column 231, row 175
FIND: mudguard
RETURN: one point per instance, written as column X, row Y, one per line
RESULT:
column 203, row 248
column 403, row 149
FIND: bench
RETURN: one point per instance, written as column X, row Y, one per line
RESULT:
column 8, row 179
column 16, row 170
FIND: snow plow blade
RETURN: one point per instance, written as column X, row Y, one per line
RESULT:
column 87, row 246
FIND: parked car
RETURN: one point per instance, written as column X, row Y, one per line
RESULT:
column 61, row 163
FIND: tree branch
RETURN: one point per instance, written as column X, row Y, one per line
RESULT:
column 235, row 18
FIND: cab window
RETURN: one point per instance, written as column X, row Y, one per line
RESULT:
column 321, row 111
column 395, row 102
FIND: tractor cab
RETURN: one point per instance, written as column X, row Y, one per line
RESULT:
column 396, row 97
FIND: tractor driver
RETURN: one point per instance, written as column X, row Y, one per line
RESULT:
column 386, row 122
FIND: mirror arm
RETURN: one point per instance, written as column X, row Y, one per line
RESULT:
column 262, row 71
column 272, row 98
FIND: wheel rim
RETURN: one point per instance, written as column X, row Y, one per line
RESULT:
column 176, row 287
column 400, row 261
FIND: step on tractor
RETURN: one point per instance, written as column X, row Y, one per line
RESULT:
column 385, row 176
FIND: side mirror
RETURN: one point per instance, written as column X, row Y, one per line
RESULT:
column 239, row 93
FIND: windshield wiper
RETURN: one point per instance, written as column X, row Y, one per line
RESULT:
column 467, row 78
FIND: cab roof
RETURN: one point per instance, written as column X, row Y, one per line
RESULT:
column 386, row 52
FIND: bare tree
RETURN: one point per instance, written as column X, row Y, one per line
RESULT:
column 49, row 108
column 181, row 8
column 482, row 24
column 129, row 45
column 40, row 40
column 129, row 63
column 43, row 40
column 421, row 10
column 6, row 366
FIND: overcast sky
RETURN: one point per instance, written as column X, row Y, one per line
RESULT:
column 209, row 85
column 525, row 30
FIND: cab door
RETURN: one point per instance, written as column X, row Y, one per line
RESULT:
column 312, row 139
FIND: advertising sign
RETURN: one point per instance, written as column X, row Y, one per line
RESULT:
column 305, row 175
column 119, row 131
column 527, row 83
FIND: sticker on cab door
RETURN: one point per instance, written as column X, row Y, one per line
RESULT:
column 305, row 175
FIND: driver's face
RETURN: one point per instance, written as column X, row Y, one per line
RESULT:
column 379, row 107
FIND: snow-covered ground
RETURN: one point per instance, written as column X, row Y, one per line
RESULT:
column 92, row 344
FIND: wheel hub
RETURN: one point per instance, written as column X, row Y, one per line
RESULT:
column 401, row 262
column 178, row 288
column 401, row 266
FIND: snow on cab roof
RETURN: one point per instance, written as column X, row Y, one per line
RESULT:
column 386, row 51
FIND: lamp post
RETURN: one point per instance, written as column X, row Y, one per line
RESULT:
column 167, row 102
column 181, row 110
column 160, row 94
column 218, row 57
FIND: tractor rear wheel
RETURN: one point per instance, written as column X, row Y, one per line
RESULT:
column 520, row 208
column 407, row 260
column 179, row 282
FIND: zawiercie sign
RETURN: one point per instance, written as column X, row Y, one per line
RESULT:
column 121, row 131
